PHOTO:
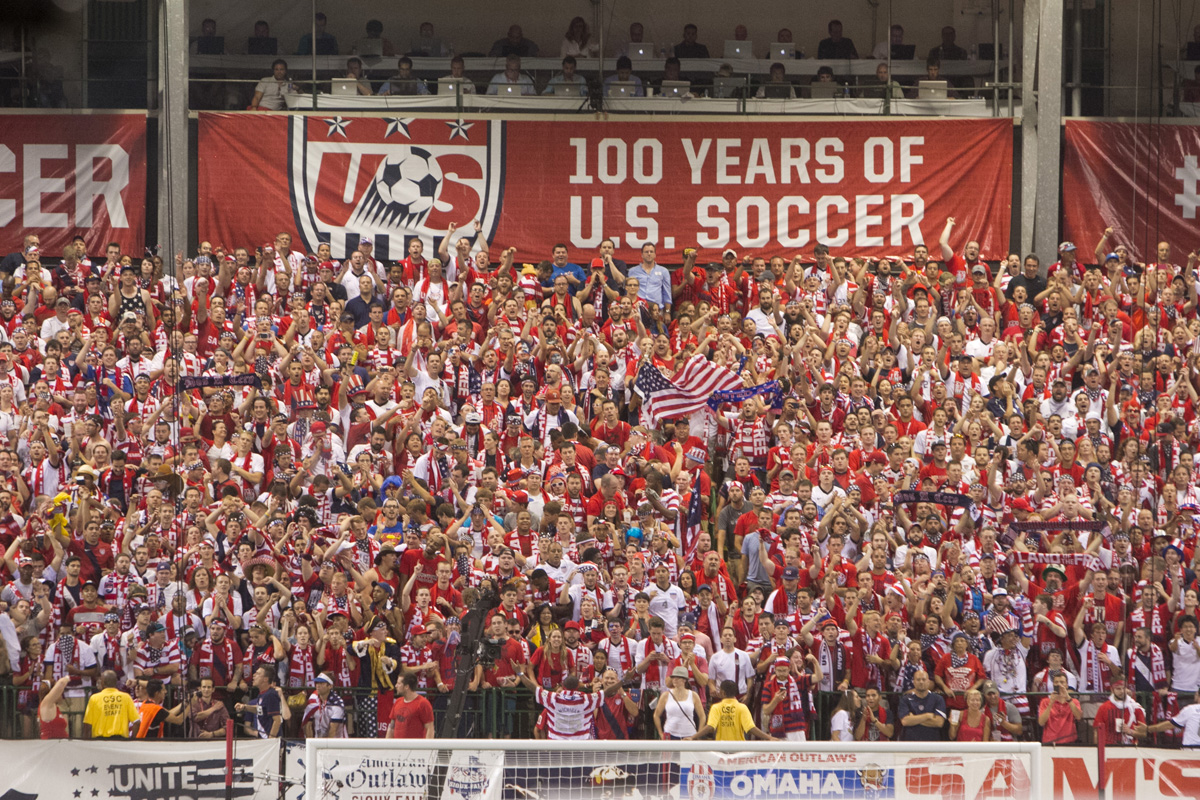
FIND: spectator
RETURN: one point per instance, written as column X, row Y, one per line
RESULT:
column 325, row 711
column 777, row 86
column 689, row 47
column 577, row 41
column 637, row 33
column 326, row 42
column 514, row 44
column 427, row 45
column 1058, row 714
column 947, row 50
column 354, row 71
column 895, row 37
column 207, row 43
column 374, row 43
column 402, row 83
column 206, row 714
column 264, row 717
column 110, row 713
column 922, row 713
column 154, row 718
column 624, row 74
column 270, row 93
column 836, row 47
column 411, row 715
column 568, row 77
column 845, row 717
column 262, row 43
column 512, row 76
column 678, row 709
column 458, row 72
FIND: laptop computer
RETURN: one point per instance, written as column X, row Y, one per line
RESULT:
column 567, row 90
column 448, row 85
column 932, row 90
column 344, row 87
column 824, row 90
column 726, row 86
column 987, row 51
column 262, row 46
column 642, row 50
column 1193, row 51
column 736, row 49
column 210, row 45
column 676, row 88
column 510, row 89
column 622, row 89
column 904, row 52
column 783, row 51
column 777, row 91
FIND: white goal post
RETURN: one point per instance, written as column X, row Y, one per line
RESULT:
column 497, row 769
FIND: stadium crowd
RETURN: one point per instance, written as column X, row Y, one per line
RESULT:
column 952, row 498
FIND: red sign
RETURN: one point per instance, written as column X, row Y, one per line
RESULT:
column 63, row 175
column 872, row 187
column 1143, row 181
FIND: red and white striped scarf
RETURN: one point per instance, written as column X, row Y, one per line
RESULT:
column 301, row 667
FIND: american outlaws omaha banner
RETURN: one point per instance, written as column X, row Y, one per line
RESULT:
column 1142, row 180
column 873, row 187
column 62, row 175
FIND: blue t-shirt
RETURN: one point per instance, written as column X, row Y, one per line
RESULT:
column 931, row 703
column 261, row 714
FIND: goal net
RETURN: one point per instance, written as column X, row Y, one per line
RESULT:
column 647, row 770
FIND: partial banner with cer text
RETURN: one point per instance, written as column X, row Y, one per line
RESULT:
column 871, row 187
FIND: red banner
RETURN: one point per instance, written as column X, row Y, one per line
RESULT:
column 1140, row 180
column 871, row 187
column 65, row 175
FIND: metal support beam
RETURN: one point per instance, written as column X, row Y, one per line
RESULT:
column 1041, row 128
column 1049, row 124
column 172, row 129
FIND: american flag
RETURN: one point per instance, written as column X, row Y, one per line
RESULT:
column 689, row 532
column 687, row 392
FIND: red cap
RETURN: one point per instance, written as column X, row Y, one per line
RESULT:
column 573, row 626
column 318, row 427
column 1022, row 504
column 553, row 394
column 597, row 262
column 520, row 496
column 878, row 457
column 515, row 475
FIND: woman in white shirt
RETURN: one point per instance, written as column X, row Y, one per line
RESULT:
column 845, row 717
column 675, row 713
column 578, row 42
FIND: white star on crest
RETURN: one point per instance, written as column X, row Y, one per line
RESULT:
column 460, row 128
column 337, row 125
column 397, row 125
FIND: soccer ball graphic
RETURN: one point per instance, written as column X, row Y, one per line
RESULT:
column 402, row 192
column 409, row 181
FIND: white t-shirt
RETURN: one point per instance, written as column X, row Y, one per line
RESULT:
column 1185, row 668
column 735, row 666
column 840, row 724
column 1189, row 721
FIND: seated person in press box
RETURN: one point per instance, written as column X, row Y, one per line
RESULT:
column 568, row 77
column 625, row 75
column 458, row 71
column 512, row 76
column 777, row 87
column 354, row 71
column 404, row 82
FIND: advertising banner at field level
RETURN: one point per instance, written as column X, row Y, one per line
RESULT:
column 899, row 774
column 1142, row 180
column 865, row 187
column 141, row 770
column 63, row 175
column 1073, row 773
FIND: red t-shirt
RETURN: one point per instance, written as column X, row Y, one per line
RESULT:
column 410, row 717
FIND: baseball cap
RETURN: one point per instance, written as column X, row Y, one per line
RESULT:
column 318, row 427
column 987, row 687
column 155, row 627
column 1066, row 247
column 791, row 574
column 473, row 418
column 520, row 496
column 572, row 626
column 979, row 269
column 597, row 262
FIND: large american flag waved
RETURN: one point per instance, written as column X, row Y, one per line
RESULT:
column 685, row 393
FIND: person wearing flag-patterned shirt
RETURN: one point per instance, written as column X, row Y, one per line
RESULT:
column 570, row 713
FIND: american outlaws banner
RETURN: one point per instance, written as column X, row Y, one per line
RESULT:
column 62, row 175
column 1142, row 180
column 870, row 187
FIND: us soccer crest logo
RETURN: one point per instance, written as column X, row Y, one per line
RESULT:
column 392, row 179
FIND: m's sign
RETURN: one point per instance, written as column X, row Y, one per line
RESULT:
column 62, row 175
column 873, row 187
